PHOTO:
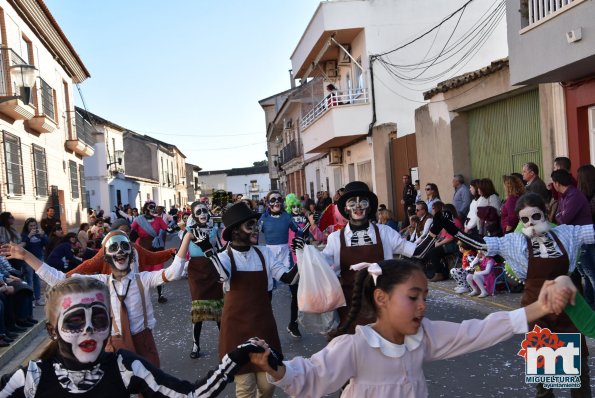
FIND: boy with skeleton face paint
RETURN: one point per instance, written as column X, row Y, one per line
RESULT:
column 359, row 241
column 247, row 309
column 78, row 322
column 204, row 279
column 129, row 290
column 540, row 252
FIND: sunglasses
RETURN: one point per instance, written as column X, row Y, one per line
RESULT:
column 534, row 217
column 274, row 200
column 428, row 189
column 362, row 204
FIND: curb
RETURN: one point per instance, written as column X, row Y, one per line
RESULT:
column 476, row 300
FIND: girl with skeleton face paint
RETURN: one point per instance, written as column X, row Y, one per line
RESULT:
column 75, row 363
column 118, row 252
column 204, row 280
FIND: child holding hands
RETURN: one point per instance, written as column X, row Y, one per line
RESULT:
column 398, row 342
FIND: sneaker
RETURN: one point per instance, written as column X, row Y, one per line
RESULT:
column 483, row 294
column 293, row 330
column 473, row 293
column 162, row 300
column 461, row 290
column 40, row 302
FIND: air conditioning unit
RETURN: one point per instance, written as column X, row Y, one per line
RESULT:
column 335, row 156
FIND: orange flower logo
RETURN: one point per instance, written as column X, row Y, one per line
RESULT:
column 538, row 338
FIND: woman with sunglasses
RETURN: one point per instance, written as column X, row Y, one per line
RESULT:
column 432, row 195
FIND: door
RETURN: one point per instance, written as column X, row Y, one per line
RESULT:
column 503, row 136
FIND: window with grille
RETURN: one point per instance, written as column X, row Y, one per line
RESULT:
column 84, row 193
column 14, row 164
column 74, row 180
column 47, row 99
column 41, row 171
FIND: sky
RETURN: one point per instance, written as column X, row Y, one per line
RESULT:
column 191, row 72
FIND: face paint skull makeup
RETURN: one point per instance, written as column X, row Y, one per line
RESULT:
column 534, row 221
column 117, row 251
column 248, row 232
column 83, row 326
column 295, row 210
column 275, row 203
column 200, row 212
column 358, row 208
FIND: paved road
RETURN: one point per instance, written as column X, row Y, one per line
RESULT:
column 497, row 371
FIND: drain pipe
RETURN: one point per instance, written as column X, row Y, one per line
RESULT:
column 371, row 127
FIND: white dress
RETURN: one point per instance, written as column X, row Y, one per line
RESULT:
column 377, row 368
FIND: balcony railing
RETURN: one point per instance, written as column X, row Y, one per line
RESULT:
column 338, row 98
column 84, row 130
column 288, row 152
column 47, row 99
column 540, row 9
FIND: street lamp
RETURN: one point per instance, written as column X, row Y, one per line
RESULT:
column 26, row 75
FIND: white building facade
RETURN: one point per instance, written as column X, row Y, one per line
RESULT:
column 43, row 146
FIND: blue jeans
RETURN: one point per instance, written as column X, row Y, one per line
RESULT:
column 32, row 280
column 586, row 267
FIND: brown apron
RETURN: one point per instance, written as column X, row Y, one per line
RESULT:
column 147, row 243
column 203, row 280
column 141, row 343
column 349, row 255
column 247, row 311
column 538, row 271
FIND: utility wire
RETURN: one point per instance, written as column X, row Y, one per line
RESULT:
column 427, row 32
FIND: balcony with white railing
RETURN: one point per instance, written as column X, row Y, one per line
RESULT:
column 539, row 11
column 45, row 119
column 336, row 120
column 336, row 99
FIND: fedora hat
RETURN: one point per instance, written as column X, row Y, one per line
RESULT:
column 354, row 189
column 235, row 216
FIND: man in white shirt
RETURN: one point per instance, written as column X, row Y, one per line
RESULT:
column 129, row 290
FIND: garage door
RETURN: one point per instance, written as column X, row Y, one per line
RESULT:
column 503, row 136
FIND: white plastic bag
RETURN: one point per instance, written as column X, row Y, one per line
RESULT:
column 319, row 290
column 319, row 323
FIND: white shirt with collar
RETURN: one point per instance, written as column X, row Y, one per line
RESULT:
column 249, row 261
column 392, row 243
column 133, row 300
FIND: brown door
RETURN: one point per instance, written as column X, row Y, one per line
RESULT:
column 403, row 157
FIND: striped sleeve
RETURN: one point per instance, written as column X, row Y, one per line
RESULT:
column 140, row 377
column 23, row 380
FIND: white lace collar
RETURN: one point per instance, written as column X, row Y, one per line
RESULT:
column 389, row 349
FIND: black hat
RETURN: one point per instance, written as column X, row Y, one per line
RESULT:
column 236, row 215
column 357, row 188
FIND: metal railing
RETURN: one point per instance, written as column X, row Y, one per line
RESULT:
column 539, row 9
column 336, row 99
column 47, row 99
column 288, row 152
column 84, row 129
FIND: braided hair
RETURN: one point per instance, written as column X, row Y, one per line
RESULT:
column 394, row 272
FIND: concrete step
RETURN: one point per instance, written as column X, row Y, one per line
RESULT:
column 25, row 344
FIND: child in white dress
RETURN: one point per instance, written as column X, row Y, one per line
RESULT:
column 385, row 359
